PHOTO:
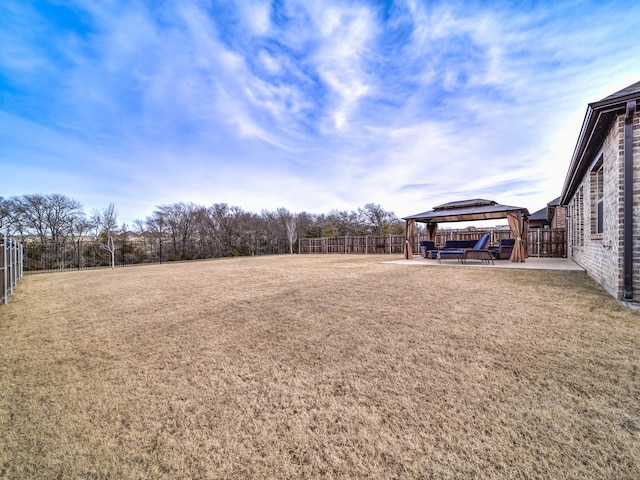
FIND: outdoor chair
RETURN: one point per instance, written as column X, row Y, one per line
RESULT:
column 426, row 246
column 505, row 249
column 477, row 252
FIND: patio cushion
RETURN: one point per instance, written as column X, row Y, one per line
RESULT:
column 460, row 254
column 482, row 243
column 458, row 244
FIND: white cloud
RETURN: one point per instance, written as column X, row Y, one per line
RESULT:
column 308, row 105
column 345, row 36
column 270, row 62
column 255, row 15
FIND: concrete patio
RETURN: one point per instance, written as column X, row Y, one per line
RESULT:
column 532, row 263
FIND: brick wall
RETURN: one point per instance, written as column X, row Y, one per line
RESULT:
column 601, row 253
column 636, row 207
column 559, row 217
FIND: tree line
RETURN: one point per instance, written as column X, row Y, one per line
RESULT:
column 187, row 229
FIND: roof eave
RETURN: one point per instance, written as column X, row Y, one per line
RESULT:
column 597, row 122
column 591, row 136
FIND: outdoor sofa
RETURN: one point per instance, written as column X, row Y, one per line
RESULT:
column 449, row 245
column 477, row 252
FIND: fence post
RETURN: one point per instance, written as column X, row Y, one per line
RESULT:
column 11, row 264
column 21, row 266
column 12, row 261
column 4, row 270
column 15, row 265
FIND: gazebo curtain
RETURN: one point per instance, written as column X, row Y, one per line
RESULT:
column 432, row 229
column 408, row 250
column 525, row 236
column 519, row 228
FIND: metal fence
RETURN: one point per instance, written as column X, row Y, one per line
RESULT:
column 540, row 242
column 11, row 267
column 68, row 254
column 48, row 256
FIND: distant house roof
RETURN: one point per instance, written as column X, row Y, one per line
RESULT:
column 466, row 210
column 554, row 203
column 596, row 125
column 539, row 216
column 545, row 215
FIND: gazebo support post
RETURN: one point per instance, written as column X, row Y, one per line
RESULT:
column 406, row 239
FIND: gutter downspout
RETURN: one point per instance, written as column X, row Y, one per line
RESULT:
column 628, row 200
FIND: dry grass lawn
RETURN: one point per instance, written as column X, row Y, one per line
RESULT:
column 317, row 367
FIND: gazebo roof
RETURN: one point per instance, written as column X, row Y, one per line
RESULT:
column 466, row 210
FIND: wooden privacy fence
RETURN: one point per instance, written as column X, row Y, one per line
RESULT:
column 540, row 242
column 547, row 242
column 368, row 244
column 11, row 266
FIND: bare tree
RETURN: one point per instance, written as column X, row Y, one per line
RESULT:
column 80, row 227
column 340, row 223
column 377, row 220
column 48, row 216
column 309, row 225
column 192, row 230
column 62, row 213
column 105, row 223
column 255, row 233
column 156, row 227
column 12, row 221
column 224, row 223
column 140, row 230
column 6, row 214
column 289, row 222
column 31, row 209
column 181, row 220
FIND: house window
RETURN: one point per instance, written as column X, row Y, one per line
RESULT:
column 577, row 219
column 572, row 221
column 580, row 217
column 597, row 197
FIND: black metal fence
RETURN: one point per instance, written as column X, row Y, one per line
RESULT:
column 49, row 256
column 11, row 267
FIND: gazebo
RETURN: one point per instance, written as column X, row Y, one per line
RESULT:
column 470, row 210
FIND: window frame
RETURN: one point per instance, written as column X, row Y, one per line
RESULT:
column 597, row 198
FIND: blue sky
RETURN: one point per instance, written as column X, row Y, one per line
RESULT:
column 311, row 106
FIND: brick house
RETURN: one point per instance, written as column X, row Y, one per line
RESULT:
column 551, row 216
column 602, row 194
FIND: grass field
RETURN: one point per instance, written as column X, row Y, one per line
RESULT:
column 317, row 367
